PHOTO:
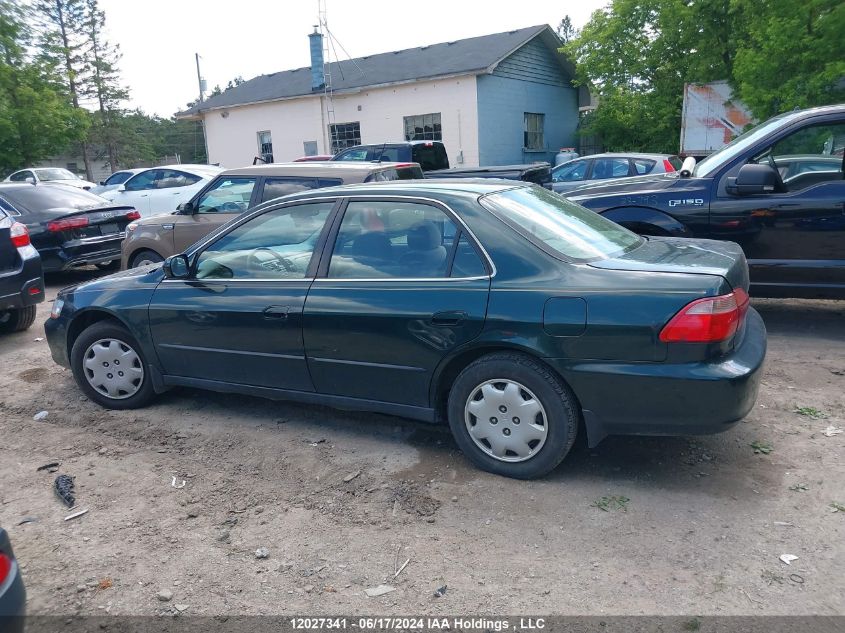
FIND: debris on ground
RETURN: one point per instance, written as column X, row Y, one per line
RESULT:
column 173, row 483
column 351, row 476
column 788, row 558
column 51, row 467
column 761, row 448
column 831, row 430
column 322, row 440
column 40, row 415
column 399, row 571
column 799, row 487
column 180, row 607
column 441, row 591
column 105, row 583
column 837, row 507
column 262, row 552
column 613, row 502
column 38, row 339
column 63, row 487
column 375, row 592
column 165, row 595
column 26, row 520
column 784, row 523
column 76, row 514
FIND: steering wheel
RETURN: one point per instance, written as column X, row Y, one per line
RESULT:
column 253, row 262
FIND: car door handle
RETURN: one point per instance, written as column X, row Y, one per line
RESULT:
column 277, row 313
column 448, row 317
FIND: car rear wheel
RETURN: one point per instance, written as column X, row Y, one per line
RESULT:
column 17, row 320
column 512, row 416
column 145, row 257
column 109, row 367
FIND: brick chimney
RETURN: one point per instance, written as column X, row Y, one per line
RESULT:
column 318, row 79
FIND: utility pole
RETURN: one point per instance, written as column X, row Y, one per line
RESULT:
column 200, row 83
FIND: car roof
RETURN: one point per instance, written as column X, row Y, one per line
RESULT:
column 420, row 188
column 196, row 170
column 315, row 169
column 628, row 155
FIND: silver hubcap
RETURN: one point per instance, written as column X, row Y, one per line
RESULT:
column 145, row 262
column 506, row 420
column 113, row 368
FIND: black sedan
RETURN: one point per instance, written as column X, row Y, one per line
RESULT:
column 12, row 592
column 511, row 313
column 68, row 227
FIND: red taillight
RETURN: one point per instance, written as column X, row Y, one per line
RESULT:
column 707, row 320
column 668, row 166
column 133, row 215
column 56, row 226
column 19, row 234
column 5, row 567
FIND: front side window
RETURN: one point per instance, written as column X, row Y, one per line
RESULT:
column 265, row 146
column 142, row 181
column 809, row 156
column 345, row 135
column 118, row 178
column 570, row 172
column 558, row 226
column 227, row 195
column 534, row 123
column 609, row 168
column 423, row 127
column 21, row 176
column 278, row 187
column 277, row 245
column 392, row 240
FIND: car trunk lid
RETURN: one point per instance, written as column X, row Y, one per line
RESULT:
column 89, row 223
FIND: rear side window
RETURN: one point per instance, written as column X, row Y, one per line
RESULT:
column 609, row 168
column 400, row 173
column 642, row 165
column 558, row 226
column 430, row 156
column 390, row 154
column 277, row 187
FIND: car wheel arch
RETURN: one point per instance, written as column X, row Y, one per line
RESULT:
column 450, row 367
column 85, row 319
column 143, row 249
column 647, row 221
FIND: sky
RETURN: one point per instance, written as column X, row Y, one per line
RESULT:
column 158, row 38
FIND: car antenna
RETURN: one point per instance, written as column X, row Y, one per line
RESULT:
column 383, row 147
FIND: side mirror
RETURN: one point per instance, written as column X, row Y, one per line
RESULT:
column 754, row 179
column 102, row 183
column 30, row 180
column 121, row 187
column 186, row 208
column 177, row 267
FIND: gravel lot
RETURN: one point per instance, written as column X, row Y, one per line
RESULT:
column 341, row 500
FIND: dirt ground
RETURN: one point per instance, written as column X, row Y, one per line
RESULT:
column 341, row 500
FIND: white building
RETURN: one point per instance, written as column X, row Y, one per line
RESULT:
column 502, row 98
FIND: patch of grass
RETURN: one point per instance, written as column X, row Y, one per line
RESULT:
column 614, row 502
column 811, row 412
column 837, row 507
column 799, row 487
column 772, row 578
column 692, row 625
column 761, row 447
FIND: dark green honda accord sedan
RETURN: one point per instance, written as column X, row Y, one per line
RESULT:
column 511, row 313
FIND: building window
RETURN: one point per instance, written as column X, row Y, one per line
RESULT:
column 345, row 135
column 72, row 167
column 423, row 127
column 534, row 131
column 265, row 146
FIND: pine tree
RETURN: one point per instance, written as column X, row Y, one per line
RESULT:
column 62, row 42
column 103, row 81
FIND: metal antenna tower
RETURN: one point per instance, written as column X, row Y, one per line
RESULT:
column 328, row 92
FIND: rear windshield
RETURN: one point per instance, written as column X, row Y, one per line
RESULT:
column 41, row 197
column 560, row 227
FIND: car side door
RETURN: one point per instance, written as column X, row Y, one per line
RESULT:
column 223, row 200
column 569, row 175
column 793, row 237
column 402, row 284
column 172, row 187
column 237, row 317
column 136, row 191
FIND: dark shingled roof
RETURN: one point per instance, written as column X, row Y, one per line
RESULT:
column 472, row 55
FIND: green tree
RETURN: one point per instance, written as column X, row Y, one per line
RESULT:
column 102, row 83
column 61, row 26
column 793, row 56
column 37, row 119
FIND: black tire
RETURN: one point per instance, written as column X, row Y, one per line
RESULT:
column 17, row 320
column 147, row 255
column 112, row 331
column 562, row 413
column 114, row 264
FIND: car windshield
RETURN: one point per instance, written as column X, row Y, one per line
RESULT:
column 740, row 143
column 559, row 226
column 41, row 198
column 55, row 174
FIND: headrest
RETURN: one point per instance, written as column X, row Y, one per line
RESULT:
column 424, row 236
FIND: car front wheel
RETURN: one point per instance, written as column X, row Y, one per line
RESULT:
column 512, row 416
column 109, row 367
column 145, row 257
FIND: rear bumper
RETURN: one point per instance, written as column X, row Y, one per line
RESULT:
column 81, row 252
column 13, row 604
column 669, row 399
column 22, row 287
